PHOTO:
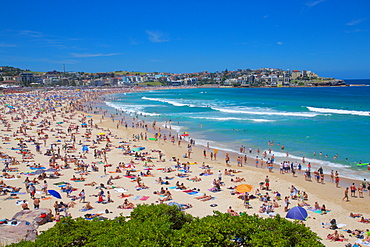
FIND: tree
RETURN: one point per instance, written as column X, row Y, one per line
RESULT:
column 163, row 225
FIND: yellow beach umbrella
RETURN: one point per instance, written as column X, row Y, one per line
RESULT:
column 242, row 188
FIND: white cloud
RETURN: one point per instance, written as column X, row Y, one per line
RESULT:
column 280, row 43
column 355, row 22
column 265, row 16
column 34, row 34
column 94, row 55
column 311, row 4
column 157, row 36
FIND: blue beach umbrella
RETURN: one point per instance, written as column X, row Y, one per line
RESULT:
column 85, row 148
column 174, row 204
column 55, row 194
column 297, row 213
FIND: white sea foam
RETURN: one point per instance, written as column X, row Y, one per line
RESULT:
column 132, row 109
column 263, row 120
column 175, row 128
column 234, row 118
column 324, row 163
column 172, row 102
column 189, row 103
column 339, row 111
column 263, row 111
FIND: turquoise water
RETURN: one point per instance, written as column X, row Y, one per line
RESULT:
column 330, row 120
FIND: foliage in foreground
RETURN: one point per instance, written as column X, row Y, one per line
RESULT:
column 163, row 225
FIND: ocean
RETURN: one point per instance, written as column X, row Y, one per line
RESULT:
column 331, row 121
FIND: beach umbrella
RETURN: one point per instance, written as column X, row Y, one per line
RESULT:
column 55, row 194
column 85, row 148
column 84, row 124
column 153, row 139
column 50, row 170
column 136, row 149
column 60, row 122
column 297, row 213
column 174, row 204
column 39, row 171
column 101, row 133
column 242, row 188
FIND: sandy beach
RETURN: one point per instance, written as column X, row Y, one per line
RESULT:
column 116, row 157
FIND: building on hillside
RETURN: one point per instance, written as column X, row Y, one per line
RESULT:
column 26, row 78
column 296, row 74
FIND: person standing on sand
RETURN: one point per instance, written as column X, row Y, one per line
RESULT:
column 286, row 204
column 353, row 190
column 346, row 194
column 267, row 183
column 36, row 203
column 227, row 159
column 256, row 160
column 82, row 196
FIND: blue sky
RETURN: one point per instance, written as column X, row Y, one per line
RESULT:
column 329, row 37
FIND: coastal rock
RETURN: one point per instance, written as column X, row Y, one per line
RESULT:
column 16, row 233
column 35, row 217
column 23, row 225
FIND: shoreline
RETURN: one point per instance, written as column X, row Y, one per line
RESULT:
column 279, row 154
column 70, row 114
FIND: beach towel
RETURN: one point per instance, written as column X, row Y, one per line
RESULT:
column 316, row 211
column 214, row 190
column 84, row 209
column 10, row 178
column 92, row 217
column 269, row 214
column 207, row 199
column 192, row 193
column 120, row 196
column 144, row 198
column 19, row 193
column 120, row 190
column 137, row 197
column 19, row 202
column 186, row 191
column 198, row 194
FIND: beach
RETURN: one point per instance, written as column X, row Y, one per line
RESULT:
column 120, row 157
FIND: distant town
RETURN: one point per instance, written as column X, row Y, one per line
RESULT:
column 264, row 77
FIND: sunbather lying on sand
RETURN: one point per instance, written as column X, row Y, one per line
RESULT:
column 194, row 179
column 91, row 184
column 126, row 205
column 237, row 179
column 355, row 215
